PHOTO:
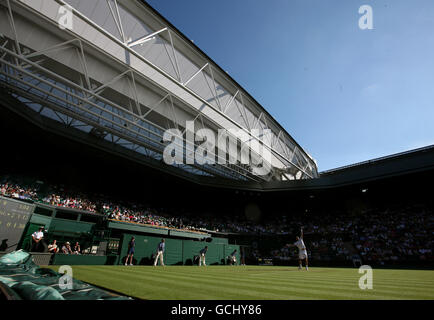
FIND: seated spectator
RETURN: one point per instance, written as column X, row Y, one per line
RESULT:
column 77, row 248
column 3, row 189
column 52, row 248
column 66, row 249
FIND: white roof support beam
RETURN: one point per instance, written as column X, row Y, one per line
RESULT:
column 136, row 97
column 145, row 38
column 62, row 45
column 174, row 55
column 155, row 106
column 84, row 65
column 197, row 72
column 117, row 19
column 230, row 101
column 257, row 120
column 175, row 120
column 103, row 86
column 246, row 119
column 215, row 88
column 11, row 21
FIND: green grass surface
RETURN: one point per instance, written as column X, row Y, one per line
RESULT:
column 255, row 282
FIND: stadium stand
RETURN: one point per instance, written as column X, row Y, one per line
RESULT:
column 100, row 192
column 392, row 236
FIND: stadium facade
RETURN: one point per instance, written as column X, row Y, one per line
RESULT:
column 117, row 71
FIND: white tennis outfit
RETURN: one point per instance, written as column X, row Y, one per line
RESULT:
column 160, row 253
column 302, row 252
column 202, row 259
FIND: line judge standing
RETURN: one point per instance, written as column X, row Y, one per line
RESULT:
column 160, row 253
column 202, row 254
column 233, row 258
column 131, row 248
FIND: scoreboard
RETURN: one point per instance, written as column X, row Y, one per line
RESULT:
column 14, row 216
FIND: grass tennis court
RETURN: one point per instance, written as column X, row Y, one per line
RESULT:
column 255, row 282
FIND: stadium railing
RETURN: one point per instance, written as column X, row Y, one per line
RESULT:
column 159, row 227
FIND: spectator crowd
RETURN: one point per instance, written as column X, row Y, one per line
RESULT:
column 375, row 236
column 380, row 236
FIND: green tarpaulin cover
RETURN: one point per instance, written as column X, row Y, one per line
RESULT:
column 30, row 282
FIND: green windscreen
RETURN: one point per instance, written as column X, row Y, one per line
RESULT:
column 178, row 252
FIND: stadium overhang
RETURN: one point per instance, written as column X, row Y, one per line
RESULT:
column 418, row 163
column 117, row 69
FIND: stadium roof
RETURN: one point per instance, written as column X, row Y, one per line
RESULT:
column 123, row 72
column 223, row 71
column 376, row 161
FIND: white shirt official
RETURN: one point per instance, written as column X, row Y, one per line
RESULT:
column 38, row 235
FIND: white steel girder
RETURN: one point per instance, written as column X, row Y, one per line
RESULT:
column 131, row 71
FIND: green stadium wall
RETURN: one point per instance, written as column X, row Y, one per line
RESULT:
column 181, row 251
column 132, row 227
column 74, row 259
column 54, row 226
column 177, row 252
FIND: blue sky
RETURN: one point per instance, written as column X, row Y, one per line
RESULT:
column 344, row 94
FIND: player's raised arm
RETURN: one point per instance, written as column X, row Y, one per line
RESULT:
column 301, row 233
